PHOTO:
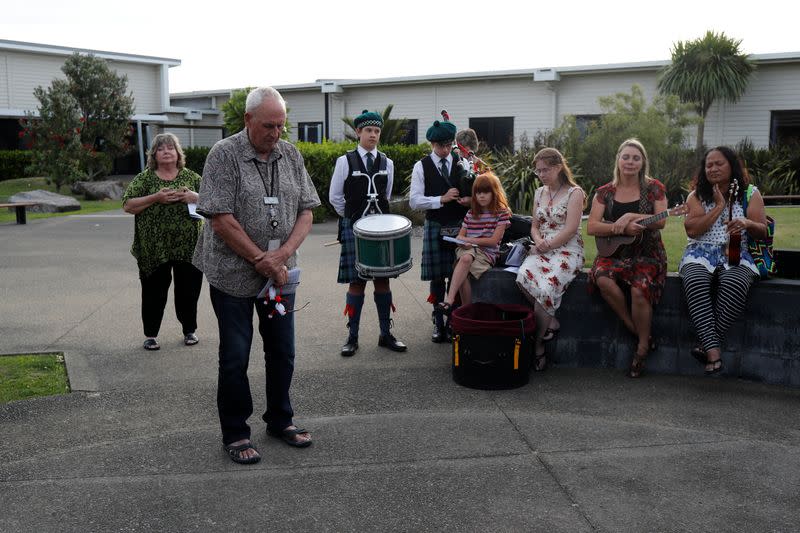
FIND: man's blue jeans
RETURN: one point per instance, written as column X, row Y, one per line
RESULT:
column 234, row 402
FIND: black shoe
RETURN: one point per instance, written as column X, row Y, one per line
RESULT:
column 349, row 349
column 151, row 344
column 439, row 334
column 388, row 341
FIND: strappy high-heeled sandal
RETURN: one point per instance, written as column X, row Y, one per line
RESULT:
column 637, row 366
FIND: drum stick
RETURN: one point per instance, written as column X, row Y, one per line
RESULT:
column 331, row 243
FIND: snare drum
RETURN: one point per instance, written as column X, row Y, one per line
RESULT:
column 383, row 246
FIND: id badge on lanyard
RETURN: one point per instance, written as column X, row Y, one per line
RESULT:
column 271, row 202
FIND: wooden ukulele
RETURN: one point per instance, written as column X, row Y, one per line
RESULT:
column 734, row 239
column 607, row 246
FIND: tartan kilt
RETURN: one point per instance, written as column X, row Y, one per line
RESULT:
column 347, row 257
column 438, row 257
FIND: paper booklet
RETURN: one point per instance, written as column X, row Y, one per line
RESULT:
column 453, row 239
column 290, row 287
column 517, row 255
column 193, row 211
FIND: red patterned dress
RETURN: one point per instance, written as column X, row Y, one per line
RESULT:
column 642, row 264
column 544, row 276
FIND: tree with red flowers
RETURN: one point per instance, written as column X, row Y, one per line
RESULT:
column 83, row 122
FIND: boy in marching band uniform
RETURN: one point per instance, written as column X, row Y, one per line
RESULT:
column 435, row 189
column 348, row 196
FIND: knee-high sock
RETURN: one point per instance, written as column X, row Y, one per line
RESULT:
column 383, row 301
column 353, row 312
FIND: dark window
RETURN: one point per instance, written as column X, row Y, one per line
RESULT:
column 310, row 132
column 10, row 134
column 784, row 128
column 495, row 132
column 411, row 131
column 584, row 122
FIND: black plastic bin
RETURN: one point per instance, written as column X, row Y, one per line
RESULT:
column 492, row 345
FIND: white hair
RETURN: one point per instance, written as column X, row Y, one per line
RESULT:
column 257, row 96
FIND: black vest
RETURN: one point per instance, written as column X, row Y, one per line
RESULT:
column 357, row 187
column 450, row 213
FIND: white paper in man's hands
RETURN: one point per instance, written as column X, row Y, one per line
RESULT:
column 290, row 287
column 193, row 211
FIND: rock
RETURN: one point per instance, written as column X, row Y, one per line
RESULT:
column 99, row 190
column 49, row 202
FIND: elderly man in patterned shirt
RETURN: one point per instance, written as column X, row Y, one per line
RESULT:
column 259, row 197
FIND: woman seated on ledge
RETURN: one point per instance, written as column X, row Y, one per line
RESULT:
column 706, row 260
column 617, row 208
column 556, row 256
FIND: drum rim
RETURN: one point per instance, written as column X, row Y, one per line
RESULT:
column 386, row 234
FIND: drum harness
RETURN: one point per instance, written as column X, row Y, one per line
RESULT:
column 372, row 207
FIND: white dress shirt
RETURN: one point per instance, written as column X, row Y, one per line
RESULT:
column 417, row 198
column 340, row 172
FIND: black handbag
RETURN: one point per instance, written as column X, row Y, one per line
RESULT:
column 519, row 228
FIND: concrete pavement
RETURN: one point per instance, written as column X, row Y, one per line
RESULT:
column 398, row 446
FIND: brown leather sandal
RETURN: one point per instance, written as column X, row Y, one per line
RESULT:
column 637, row 366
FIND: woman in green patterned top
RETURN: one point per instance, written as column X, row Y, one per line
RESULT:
column 165, row 236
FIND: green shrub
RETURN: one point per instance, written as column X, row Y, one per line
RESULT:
column 14, row 163
column 320, row 160
column 660, row 125
column 775, row 171
column 196, row 157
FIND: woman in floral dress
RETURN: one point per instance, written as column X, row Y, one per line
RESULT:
column 556, row 256
column 641, row 266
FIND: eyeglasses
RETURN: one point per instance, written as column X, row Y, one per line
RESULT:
column 546, row 170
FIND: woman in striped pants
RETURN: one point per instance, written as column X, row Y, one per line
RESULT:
column 705, row 261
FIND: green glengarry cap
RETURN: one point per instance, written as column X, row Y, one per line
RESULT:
column 368, row 118
column 441, row 131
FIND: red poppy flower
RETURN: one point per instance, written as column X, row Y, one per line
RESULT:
column 566, row 253
column 554, row 281
column 564, row 266
column 529, row 274
column 545, row 270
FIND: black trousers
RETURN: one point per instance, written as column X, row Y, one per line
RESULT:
column 155, row 287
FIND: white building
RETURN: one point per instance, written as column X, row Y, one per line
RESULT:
column 503, row 105
column 500, row 105
column 25, row 66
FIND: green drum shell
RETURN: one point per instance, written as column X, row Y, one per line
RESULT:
column 383, row 245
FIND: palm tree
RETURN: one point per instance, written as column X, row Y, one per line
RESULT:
column 393, row 131
column 705, row 70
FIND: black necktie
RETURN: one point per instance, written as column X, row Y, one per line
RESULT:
column 369, row 162
column 445, row 173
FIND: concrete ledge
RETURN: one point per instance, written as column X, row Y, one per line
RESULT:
column 763, row 345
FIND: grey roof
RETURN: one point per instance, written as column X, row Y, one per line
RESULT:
column 50, row 49
column 783, row 57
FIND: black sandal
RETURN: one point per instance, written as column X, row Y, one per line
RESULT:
column 235, row 453
column 637, row 366
column 700, row 354
column 550, row 334
column 716, row 367
column 540, row 362
column 151, row 344
column 287, row 435
column 445, row 308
